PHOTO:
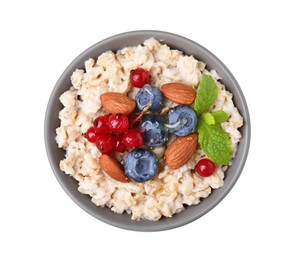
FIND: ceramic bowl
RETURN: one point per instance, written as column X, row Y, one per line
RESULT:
column 124, row 221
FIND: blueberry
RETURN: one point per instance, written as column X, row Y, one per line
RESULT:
column 141, row 165
column 182, row 120
column 155, row 132
column 149, row 95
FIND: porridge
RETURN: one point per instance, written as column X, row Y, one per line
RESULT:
column 138, row 128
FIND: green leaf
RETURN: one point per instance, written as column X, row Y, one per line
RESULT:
column 219, row 116
column 206, row 94
column 208, row 118
column 214, row 141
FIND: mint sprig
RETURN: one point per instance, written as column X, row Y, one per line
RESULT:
column 213, row 140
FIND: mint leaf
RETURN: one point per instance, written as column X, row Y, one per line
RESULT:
column 214, row 141
column 219, row 116
column 208, row 118
column 206, row 94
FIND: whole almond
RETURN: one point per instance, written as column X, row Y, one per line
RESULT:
column 113, row 168
column 179, row 93
column 117, row 103
column 180, row 151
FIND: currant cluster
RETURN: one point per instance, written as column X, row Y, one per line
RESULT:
column 115, row 132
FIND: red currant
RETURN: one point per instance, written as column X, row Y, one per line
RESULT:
column 105, row 143
column 101, row 123
column 92, row 134
column 133, row 138
column 118, row 123
column 205, row 167
column 119, row 145
column 132, row 118
column 139, row 77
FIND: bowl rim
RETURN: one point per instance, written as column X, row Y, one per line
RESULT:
column 172, row 224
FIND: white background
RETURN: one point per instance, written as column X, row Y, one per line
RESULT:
column 40, row 38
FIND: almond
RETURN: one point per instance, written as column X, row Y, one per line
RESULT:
column 113, row 168
column 117, row 103
column 180, row 151
column 179, row 93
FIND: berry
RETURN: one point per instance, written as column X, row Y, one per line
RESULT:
column 91, row 134
column 149, row 95
column 119, row 145
column 141, row 165
column 139, row 77
column 118, row 123
column 205, row 167
column 182, row 120
column 105, row 143
column 132, row 118
column 133, row 138
column 155, row 132
column 101, row 123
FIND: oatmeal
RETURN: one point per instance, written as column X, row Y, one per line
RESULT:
column 169, row 190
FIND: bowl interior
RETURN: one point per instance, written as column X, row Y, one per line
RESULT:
column 123, row 220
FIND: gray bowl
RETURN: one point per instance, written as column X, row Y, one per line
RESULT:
column 70, row 185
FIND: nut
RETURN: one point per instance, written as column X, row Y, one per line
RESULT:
column 179, row 93
column 180, row 151
column 113, row 168
column 117, row 103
